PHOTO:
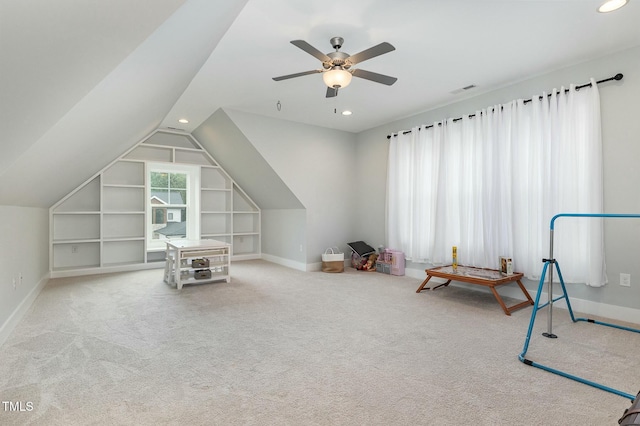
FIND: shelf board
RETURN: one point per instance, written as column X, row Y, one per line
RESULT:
column 184, row 148
column 76, row 241
column 211, row 265
column 75, row 213
column 207, row 280
column 118, row 185
column 122, row 212
column 76, row 268
column 109, row 264
column 112, row 239
column 153, row 145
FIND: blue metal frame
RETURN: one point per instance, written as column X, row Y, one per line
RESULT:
column 536, row 307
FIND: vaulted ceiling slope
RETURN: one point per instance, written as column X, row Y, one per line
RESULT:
column 83, row 81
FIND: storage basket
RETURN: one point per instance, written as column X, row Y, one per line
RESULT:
column 202, row 274
column 200, row 263
column 332, row 260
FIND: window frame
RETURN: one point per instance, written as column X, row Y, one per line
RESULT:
column 192, row 204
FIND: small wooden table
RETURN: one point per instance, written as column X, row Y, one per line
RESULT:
column 486, row 277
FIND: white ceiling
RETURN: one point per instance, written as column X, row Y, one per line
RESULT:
column 81, row 81
column 440, row 46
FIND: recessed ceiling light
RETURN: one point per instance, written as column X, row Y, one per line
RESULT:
column 611, row 5
column 183, row 121
column 346, row 112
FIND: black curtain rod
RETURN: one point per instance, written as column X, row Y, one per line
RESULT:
column 615, row 77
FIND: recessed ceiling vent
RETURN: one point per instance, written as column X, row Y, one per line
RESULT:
column 464, row 89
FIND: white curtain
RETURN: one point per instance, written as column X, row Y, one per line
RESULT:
column 490, row 185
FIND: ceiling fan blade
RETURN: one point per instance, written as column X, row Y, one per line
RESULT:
column 332, row 92
column 299, row 74
column 311, row 50
column 374, row 76
column 372, row 52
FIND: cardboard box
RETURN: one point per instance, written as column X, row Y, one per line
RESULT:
column 506, row 265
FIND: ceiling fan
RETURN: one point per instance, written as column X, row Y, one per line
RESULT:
column 336, row 66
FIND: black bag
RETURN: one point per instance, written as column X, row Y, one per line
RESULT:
column 631, row 415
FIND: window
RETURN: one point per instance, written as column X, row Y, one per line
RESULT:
column 490, row 186
column 173, row 203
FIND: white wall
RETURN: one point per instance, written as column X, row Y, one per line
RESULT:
column 24, row 250
column 283, row 237
column 621, row 140
column 317, row 164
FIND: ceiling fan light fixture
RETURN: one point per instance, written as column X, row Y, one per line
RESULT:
column 337, row 77
column 611, row 5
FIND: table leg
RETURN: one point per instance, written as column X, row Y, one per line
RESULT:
column 500, row 301
column 526, row 293
column 424, row 283
column 177, row 269
column 508, row 310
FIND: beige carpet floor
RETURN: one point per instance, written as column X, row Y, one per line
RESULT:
column 278, row 346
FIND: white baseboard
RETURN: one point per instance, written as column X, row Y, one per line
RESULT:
column 416, row 273
column 129, row 268
column 314, row 267
column 588, row 307
column 285, row 262
column 305, row 267
column 245, row 257
column 106, row 270
column 21, row 310
column 581, row 306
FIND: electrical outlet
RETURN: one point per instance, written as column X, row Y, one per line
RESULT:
column 625, row 280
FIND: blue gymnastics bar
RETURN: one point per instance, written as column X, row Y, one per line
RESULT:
column 548, row 267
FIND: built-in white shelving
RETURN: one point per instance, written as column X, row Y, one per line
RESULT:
column 103, row 223
column 246, row 224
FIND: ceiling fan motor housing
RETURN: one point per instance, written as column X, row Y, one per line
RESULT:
column 336, row 42
column 338, row 59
